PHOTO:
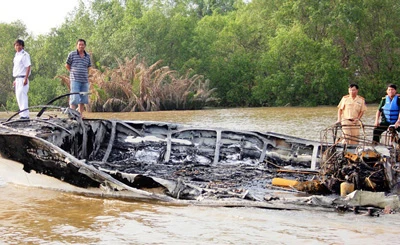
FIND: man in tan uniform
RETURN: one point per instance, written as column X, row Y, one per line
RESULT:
column 351, row 109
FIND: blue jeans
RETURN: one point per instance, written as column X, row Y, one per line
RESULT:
column 76, row 99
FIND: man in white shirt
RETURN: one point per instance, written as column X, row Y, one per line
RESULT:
column 21, row 72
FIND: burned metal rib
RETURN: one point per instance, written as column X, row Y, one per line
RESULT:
column 169, row 146
column 43, row 121
column 31, row 107
column 314, row 157
column 217, row 146
column 112, row 137
column 84, row 137
column 264, row 152
column 131, row 128
column 57, row 98
column 111, row 142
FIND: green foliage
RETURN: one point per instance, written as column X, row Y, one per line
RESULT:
column 106, row 17
column 300, row 67
column 202, row 48
column 42, row 90
column 205, row 7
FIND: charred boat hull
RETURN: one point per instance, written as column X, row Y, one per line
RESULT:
column 171, row 162
column 178, row 161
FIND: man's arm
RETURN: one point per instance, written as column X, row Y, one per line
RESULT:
column 360, row 115
column 68, row 67
column 339, row 115
column 377, row 116
column 362, row 111
column 397, row 124
column 340, row 110
column 28, row 70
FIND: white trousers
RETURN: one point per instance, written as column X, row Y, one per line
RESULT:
column 21, row 93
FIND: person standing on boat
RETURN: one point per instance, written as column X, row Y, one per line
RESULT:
column 350, row 110
column 21, row 72
column 78, row 64
column 388, row 112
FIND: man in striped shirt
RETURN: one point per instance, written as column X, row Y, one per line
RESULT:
column 78, row 63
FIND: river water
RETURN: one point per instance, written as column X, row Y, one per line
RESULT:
column 39, row 216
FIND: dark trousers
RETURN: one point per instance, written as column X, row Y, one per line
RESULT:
column 382, row 127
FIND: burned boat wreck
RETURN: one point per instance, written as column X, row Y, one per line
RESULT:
column 171, row 162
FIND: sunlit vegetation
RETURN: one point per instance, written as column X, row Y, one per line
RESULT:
column 135, row 86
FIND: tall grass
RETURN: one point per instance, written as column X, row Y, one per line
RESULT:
column 135, row 86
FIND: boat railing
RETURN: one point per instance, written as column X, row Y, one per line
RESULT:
column 334, row 135
column 334, row 141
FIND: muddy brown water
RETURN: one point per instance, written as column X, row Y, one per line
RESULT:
column 39, row 216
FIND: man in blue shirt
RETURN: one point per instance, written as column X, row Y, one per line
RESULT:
column 388, row 112
column 78, row 63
